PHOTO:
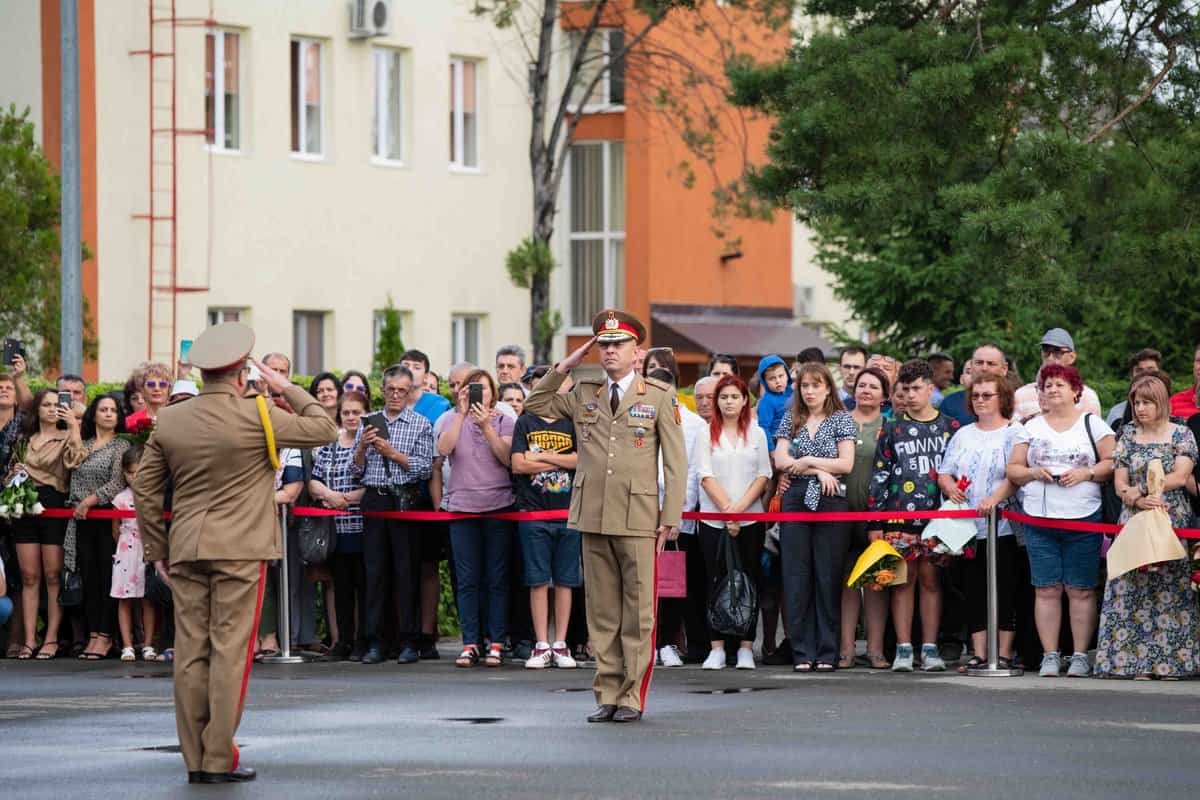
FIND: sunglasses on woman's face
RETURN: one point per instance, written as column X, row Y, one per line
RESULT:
column 982, row 395
column 158, row 384
column 353, row 387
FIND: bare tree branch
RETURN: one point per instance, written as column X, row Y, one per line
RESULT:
column 1171, row 43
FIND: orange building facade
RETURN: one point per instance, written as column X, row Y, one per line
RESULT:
column 698, row 293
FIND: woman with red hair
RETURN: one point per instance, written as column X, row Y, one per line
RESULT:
column 1061, row 458
column 733, row 465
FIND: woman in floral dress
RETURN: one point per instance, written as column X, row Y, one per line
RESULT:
column 1148, row 623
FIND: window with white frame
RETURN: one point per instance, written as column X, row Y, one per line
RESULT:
column 601, row 56
column 597, row 229
column 222, row 90
column 308, row 342
column 464, row 113
column 306, row 90
column 218, row 315
column 387, row 142
column 464, row 338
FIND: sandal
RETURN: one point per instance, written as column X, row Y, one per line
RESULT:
column 802, row 667
column 148, row 653
column 24, row 653
column 495, row 655
column 41, row 653
column 974, row 663
column 166, row 656
column 877, row 661
column 259, row 655
column 825, row 666
column 127, row 654
column 846, row 662
column 468, row 658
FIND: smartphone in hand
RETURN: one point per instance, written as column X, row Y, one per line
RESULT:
column 378, row 423
column 64, row 401
column 474, row 394
column 12, row 349
column 185, row 348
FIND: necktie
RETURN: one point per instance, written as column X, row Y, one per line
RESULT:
column 615, row 400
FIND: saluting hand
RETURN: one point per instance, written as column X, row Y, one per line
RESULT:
column 275, row 382
column 575, row 358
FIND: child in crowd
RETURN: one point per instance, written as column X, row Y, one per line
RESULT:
column 514, row 396
column 776, row 393
column 129, row 572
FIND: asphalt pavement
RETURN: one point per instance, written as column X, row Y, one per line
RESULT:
column 72, row 729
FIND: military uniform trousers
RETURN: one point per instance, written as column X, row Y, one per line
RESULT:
column 217, row 605
column 622, row 598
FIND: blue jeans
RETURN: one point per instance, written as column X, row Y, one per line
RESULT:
column 552, row 552
column 1070, row 558
column 482, row 549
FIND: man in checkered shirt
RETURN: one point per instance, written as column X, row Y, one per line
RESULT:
column 393, row 471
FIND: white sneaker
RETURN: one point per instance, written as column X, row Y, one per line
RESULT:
column 540, row 658
column 562, row 656
column 669, row 656
column 745, row 658
column 715, row 660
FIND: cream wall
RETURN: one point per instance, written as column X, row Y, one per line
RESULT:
column 826, row 309
column 21, row 59
column 333, row 235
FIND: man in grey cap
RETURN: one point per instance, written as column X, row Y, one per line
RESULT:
column 1057, row 348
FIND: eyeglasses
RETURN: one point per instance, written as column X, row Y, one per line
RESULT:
column 158, row 384
column 396, row 390
column 1048, row 350
column 983, row 395
column 354, row 387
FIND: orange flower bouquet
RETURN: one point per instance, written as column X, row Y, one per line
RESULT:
column 879, row 567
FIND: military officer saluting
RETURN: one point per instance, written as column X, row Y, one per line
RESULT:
column 220, row 450
column 623, row 422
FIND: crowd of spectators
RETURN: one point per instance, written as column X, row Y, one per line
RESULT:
column 875, row 433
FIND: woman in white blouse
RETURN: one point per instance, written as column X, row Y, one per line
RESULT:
column 734, row 465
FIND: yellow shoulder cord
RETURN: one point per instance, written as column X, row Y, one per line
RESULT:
column 265, row 416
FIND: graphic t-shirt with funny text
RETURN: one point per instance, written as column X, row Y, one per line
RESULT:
column 907, row 457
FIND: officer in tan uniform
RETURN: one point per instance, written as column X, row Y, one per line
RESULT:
column 220, row 450
column 622, row 422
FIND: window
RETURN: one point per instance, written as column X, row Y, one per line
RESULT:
column 307, row 117
column 464, row 113
column 597, row 229
column 386, row 138
column 610, row 89
column 464, row 339
column 222, row 112
column 218, row 315
column 308, row 342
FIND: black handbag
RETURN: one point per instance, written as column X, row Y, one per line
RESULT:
column 70, row 591
column 733, row 598
column 1110, row 503
column 317, row 536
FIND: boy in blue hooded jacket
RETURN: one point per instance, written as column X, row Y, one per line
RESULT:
column 777, row 393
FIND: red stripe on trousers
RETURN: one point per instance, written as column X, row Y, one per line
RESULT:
column 262, row 582
column 653, row 640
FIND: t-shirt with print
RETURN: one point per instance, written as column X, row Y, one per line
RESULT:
column 549, row 490
column 907, row 458
column 1059, row 453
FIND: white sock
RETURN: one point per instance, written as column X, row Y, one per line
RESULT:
column 928, row 644
column 541, row 645
column 559, row 645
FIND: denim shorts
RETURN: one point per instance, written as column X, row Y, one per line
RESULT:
column 551, row 550
column 1058, row 557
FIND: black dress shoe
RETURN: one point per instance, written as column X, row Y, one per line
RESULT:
column 339, row 652
column 356, row 654
column 430, row 653
column 239, row 775
column 627, row 714
column 602, row 713
column 407, row 656
column 373, row 656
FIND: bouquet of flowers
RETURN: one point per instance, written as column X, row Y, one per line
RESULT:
column 140, row 433
column 878, row 567
column 952, row 537
column 19, row 499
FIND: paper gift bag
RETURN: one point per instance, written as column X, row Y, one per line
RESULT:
column 1147, row 537
column 672, row 573
column 954, row 533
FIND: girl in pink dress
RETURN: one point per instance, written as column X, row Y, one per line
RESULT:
column 129, row 571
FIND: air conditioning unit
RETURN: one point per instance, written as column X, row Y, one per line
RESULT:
column 370, row 18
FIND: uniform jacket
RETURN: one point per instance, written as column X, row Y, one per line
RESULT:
column 616, row 482
column 215, row 448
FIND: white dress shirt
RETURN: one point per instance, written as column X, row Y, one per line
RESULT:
column 622, row 386
column 733, row 467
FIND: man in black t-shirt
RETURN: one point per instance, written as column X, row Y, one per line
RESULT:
column 543, row 466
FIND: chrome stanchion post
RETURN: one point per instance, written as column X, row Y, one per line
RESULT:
column 284, row 627
column 993, row 669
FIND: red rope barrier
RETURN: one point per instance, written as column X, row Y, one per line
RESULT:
column 1084, row 527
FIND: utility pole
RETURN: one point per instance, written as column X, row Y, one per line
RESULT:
column 71, row 345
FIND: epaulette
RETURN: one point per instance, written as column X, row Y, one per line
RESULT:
column 657, row 384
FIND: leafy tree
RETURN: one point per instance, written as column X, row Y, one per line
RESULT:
column 30, row 308
column 987, row 170
column 389, row 348
column 670, row 81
